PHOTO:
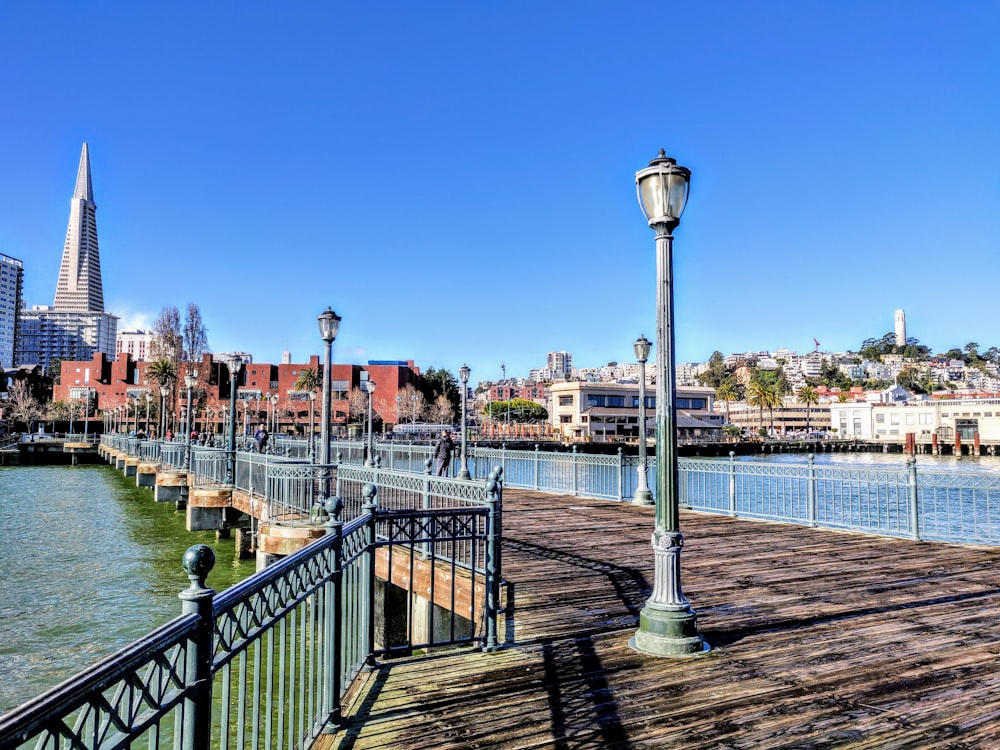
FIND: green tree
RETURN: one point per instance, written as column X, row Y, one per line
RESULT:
column 808, row 396
column 308, row 380
column 763, row 392
column 728, row 391
column 716, row 371
column 163, row 371
column 438, row 382
column 521, row 410
column 54, row 369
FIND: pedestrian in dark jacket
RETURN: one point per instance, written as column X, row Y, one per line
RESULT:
column 442, row 454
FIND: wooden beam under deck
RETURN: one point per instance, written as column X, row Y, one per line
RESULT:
column 821, row 639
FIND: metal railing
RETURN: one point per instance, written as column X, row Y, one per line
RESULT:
column 266, row 663
column 902, row 502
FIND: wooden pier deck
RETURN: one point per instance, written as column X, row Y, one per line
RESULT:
column 819, row 639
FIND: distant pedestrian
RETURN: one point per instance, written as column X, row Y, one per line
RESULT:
column 261, row 437
column 442, row 454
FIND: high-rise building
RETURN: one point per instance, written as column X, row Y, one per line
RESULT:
column 560, row 362
column 138, row 344
column 900, row 328
column 76, row 325
column 11, row 282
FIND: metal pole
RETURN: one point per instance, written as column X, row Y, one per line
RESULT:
column 370, row 460
column 642, row 494
column 464, row 470
column 231, row 445
column 187, row 456
column 324, row 430
column 667, row 623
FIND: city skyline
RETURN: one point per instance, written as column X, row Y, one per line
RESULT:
column 242, row 163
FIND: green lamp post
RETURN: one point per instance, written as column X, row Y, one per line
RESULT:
column 668, row 625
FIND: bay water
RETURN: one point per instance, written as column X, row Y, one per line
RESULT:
column 89, row 563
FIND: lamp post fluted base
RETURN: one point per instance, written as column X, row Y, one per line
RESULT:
column 643, row 497
column 668, row 627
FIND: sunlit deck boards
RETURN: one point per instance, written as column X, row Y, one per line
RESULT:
column 820, row 640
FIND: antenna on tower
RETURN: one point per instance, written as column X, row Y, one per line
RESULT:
column 817, row 344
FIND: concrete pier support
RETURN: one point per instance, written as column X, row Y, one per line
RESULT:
column 145, row 474
column 171, row 487
column 206, row 508
column 279, row 540
column 131, row 466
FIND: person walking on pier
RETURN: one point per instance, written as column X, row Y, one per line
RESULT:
column 261, row 437
column 442, row 454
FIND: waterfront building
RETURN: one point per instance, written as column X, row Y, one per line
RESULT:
column 263, row 390
column 11, row 285
column 945, row 418
column 789, row 417
column 608, row 412
column 76, row 325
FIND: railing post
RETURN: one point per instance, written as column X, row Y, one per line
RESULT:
column 493, row 563
column 198, row 561
column 503, row 456
column 811, row 490
column 574, row 471
column 370, row 508
column 333, row 671
column 538, row 459
column 621, row 474
column 732, row 483
column 911, row 468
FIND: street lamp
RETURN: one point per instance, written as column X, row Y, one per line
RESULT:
column 329, row 324
column 135, row 413
column 642, row 494
column 312, row 429
column 369, row 386
column 149, row 399
column 233, row 363
column 190, row 380
column 413, row 408
column 463, row 375
column 668, row 625
column 164, row 392
column 274, row 414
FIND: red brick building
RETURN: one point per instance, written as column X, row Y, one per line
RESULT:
column 263, row 390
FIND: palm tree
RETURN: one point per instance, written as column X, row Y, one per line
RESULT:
column 727, row 392
column 163, row 371
column 808, row 396
column 308, row 380
column 757, row 395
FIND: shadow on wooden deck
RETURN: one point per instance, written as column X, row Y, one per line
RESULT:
column 820, row 639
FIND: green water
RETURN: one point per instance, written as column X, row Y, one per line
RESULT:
column 88, row 564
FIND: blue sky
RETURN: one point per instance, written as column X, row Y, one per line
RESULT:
column 457, row 179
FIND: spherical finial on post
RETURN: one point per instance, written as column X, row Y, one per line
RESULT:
column 198, row 561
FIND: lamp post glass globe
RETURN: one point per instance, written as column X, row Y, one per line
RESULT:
column 668, row 626
column 463, row 374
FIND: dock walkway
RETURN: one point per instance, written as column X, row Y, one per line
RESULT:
column 820, row 639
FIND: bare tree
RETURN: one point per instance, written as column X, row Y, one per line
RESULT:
column 442, row 412
column 24, row 407
column 195, row 334
column 357, row 405
column 168, row 341
column 410, row 404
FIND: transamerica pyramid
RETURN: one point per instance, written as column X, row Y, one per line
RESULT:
column 79, row 286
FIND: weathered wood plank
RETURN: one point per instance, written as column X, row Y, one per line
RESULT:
column 820, row 639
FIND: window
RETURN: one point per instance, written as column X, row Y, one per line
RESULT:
column 565, row 401
column 893, row 419
column 565, row 418
column 911, row 419
column 616, row 401
column 691, row 403
column 593, row 400
column 880, row 419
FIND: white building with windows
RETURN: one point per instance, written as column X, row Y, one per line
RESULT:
column 11, row 283
column 609, row 412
